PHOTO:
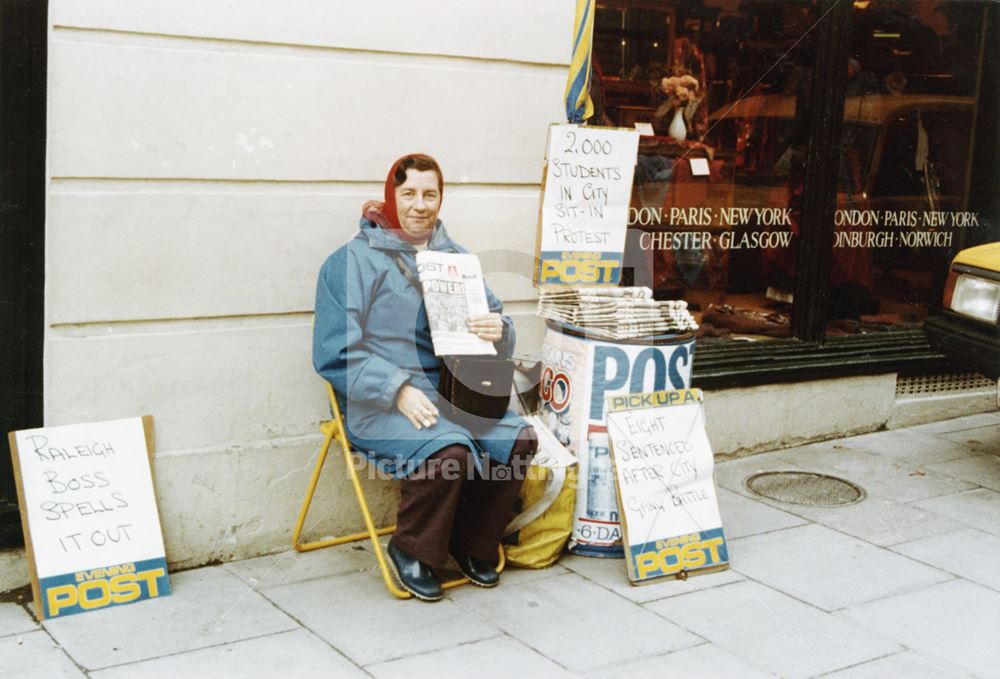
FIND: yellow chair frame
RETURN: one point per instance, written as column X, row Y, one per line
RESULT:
column 333, row 430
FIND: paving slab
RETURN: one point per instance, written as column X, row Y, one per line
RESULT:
column 912, row 445
column 900, row 522
column 980, row 439
column 357, row 615
column 742, row 516
column 970, row 554
column 982, row 469
column 771, row 630
column 610, row 574
column 879, row 521
column 827, row 569
column 700, row 661
column 15, row 620
column 290, row 567
column 515, row 577
column 35, row 655
column 209, row 606
column 958, row 423
column 978, row 508
column 499, row 658
column 731, row 473
column 287, row 654
column 954, row 622
column 576, row 623
column 908, row 664
column 880, row 474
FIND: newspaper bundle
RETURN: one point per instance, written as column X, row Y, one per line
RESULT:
column 615, row 313
column 453, row 292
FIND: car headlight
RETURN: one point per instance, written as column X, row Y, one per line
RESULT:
column 976, row 297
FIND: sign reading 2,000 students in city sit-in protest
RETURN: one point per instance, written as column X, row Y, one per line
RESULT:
column 585, row 199
column 88, row 510
column 666, row 493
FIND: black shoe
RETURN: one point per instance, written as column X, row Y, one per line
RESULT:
column 415, row 576
column 479, row 572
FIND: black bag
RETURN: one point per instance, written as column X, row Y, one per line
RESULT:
column 477, row 385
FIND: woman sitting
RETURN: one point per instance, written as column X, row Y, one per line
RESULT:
column 372, row 342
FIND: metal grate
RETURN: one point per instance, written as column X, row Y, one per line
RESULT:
column 805, row 488
column 938, row 384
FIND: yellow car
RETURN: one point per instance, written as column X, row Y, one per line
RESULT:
column 968, row 329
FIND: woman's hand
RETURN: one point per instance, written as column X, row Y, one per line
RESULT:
column 416, row 407
column 487, row 326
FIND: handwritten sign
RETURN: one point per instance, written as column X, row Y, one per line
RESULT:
column 664, row 475
column 585, row 200
column 89, row 515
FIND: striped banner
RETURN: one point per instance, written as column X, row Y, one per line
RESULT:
column 579, row 107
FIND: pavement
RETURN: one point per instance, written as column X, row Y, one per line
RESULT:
column 904, row 583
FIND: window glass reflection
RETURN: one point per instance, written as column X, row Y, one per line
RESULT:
column 904, row 166
column 721, row 85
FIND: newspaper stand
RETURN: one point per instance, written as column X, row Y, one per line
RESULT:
column 587, row 188
column 578, row 372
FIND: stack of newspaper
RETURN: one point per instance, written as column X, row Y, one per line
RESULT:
column 615, row 313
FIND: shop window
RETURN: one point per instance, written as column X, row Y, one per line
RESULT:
column 716, row 207
column 716, row 216
column 905, row 166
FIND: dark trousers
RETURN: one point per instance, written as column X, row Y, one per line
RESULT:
column 447, row 503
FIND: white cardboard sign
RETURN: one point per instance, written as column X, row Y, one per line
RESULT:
column 663, row 466
column 89, row 515
column 585, row 200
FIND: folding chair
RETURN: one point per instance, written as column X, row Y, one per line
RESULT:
column 333, row 430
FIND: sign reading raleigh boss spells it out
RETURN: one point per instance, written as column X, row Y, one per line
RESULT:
column 585, row 199
column 91, row 528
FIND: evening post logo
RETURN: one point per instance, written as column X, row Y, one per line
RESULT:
column 100, row 587
column 613, row 371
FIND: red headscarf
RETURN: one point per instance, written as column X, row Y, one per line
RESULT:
column 384, row 213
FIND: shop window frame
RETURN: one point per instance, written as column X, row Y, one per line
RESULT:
column 23, row 63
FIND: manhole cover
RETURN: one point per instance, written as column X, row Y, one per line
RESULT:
column 804, row 488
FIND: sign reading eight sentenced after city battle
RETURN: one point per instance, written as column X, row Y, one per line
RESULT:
column 585, row 199
column 666, row 492
column 91, row 527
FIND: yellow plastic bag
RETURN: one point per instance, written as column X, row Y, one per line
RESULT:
column 536, row 536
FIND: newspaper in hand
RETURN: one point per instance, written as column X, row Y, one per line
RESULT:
column 453, row 292
column 615, row 313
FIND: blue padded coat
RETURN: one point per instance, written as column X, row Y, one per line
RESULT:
column 371, row 336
